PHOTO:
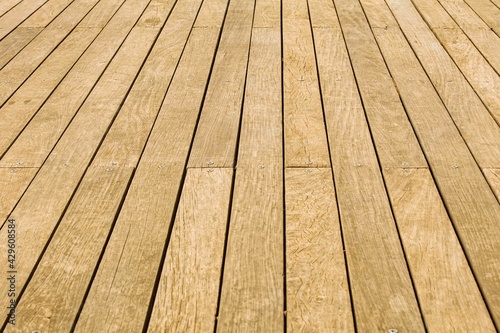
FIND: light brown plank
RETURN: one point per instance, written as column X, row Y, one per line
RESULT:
column 37, row 140
column 23, row 64
column 42, row 206
column 24, row 103
column 252, row 286
column 493, row 178
column 65, row 270
column 15, row 42
column 380, row 283
column 211, row 14
column 13, row 182
column 215, row 140
column 267, row 14
column 261, row 127
column 102, row 12
column 145, row 99
column 488, row 12
column 305, row 136
column 393, row 135
column 45, row 14
column 447, row 292
column 10, row 20
column 186, row 300
column 317, row 290
column 471, row 204
column 7, row 5
column 252, row 296
column 150, row 203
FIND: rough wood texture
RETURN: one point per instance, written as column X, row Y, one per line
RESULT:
column 215, row 141
column 493, row 178
column 452, row 302
column 15, row 42
column 317, row 295
column 7, row 5
column 305, row 136
column 13, row 182
column 186, row 300
column 10, row 20
column 66, row 268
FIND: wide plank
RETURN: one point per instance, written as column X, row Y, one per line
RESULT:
column 447, row 291
column 317, row 290
column 7, row 5
column 45, row 14
column 187, row 295
column 305, row 135
column 15, row 42
column 13, row 182
column 10, row 20
column 66, row 268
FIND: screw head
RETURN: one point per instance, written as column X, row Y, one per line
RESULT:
column 13, row 170
column 454, row 166
column 357, row 165
column 261, row 167
column 109, row 169
column 210, row 162
column 392, row 330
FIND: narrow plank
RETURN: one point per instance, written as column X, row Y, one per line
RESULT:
column 481, row 35
column 215, row 140
column 317, row 289
column 261, row 127
column 10, row 20
column 24, row 103
column 488, row 12
column 305, row 137
column 38, row 138
column 252, row 287
column 382, row 293
column 143, row 103
column 475, row 124
column 149, row 206
column 472, row 206
column 7, row 5
column 448, row 294
column 104, row 10
column 493, row 178
column 186, row 300
column 22, row 65
column 45, row 14
column 15, row 42
column 66, row 268
column 254, row 261
column 323, row 14
column 211, row 14
column 13, row 181
column 41, row 206
column 393, row 135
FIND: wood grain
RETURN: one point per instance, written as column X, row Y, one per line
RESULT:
column 7, row 5
column 317, row 291
column 493, row 178
column 186, row 300
column 13, row 182
column 488, row 12
column 66, row 268
column 448, row 294
column 10, row 20
column 305, row 137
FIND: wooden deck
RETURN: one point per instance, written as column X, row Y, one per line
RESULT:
column 250, row 165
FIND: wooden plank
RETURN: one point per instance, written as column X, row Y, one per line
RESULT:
column 488, row 12
column 476, row 69
column 22, row 65
column 481, row 35
column 380, row 283
column 261, row 126
column 42, row 206
column 317, row 290
column 323, row 14
column 252, row 289
column 186, row 300
column 15, row 42
column 471, row 204
column 215, row 140
column 267, row 14
column 45, row 14
column 392, row 133
column 150, row 203
column 13, row 182
column 145, row 99
column 66, row 268
column 26, row 101
column 38, row 138
column 211, row 14
column 104, row 11
column 479, row 130
column 10, row 20
column 448, row 294
column 493, row 178
column 7, row 5
column 305, row 136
